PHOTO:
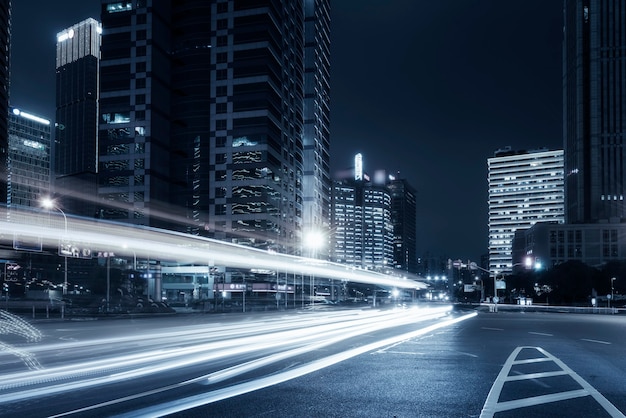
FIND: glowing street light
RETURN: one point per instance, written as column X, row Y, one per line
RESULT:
column 313, row 240
column 49, row 204
column 125, row 246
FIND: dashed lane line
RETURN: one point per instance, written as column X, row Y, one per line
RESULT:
column 493, row 406
column 595, row 341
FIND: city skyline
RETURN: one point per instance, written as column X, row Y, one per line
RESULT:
column 465, row 79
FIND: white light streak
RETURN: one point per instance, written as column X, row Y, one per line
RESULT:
column 183, row 248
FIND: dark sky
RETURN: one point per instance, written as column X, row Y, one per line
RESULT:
column 429, row 89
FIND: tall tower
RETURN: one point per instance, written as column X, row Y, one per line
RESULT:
column 76, row 144
column 404, row 217
column 316, row 138
column 594, row 110
column 5, row 44
column 525, row 187
column 362, row 222
column 203, row 113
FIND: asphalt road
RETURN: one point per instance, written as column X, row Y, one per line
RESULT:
column 402, row 363
column 559, row 362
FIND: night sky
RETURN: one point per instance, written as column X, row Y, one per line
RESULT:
column 426, row 89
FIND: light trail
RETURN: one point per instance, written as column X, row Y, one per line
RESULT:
column 252, row 340
column 203, row 399
column 100, row 235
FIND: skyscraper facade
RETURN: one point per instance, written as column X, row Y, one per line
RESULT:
column 404, row 218
column 5, row 47
column 525, row 188
column 316, row 138
column 594, row 110
column 362, row 227
column 29, row 160
column 76, row 162
column 203, row 111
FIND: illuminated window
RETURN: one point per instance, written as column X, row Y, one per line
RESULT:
column 122, row 6
column 116, row 117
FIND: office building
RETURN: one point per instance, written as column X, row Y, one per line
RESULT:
column 550, row 244
column 362, row 227
column 5, row 48
column 316, row 181
column 214, row 118
column 29, row 160
column 28, row 172
column 525, row 188
column 404, row 219
column 76, row 158
column 594, row 134
column 594, row 110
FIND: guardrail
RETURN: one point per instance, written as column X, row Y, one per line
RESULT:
column 556, row 309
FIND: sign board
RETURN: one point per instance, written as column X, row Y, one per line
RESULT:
column 469, row 288
column 27, row 243
column 500, row 285
column 73, row 250
column 458, row 264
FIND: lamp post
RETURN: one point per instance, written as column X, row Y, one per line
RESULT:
column 482, row 288
column 314, row 241
column 49, row 204
column 611, row 298
column 474, row 266
column 125, row 246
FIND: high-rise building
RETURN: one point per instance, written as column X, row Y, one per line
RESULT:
column 362, row 228
column 316, row 138
column 525, row 188
column 594, row 140
column 76, row 158
column 404, row 218
column 594, row 110
column 29, row 160
column 5, row 47
column 212, row 114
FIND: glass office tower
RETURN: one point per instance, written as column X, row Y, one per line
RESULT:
column 404, row 218
column 76, row 158
column 316, row 139
column 203, row 117
column 5, row 47
column 29, row 159
column 594, row 110
column 362, row 225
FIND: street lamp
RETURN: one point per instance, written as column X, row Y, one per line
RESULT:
column 482, row 287
column 314, row 240
column 48, row 203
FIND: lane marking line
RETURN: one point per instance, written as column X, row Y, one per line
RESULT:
column 538, row 400
column 596, row 341
column 545, row 334
column 532, row 360
column 493, row 329
column 529, row 376
column 492, row 406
